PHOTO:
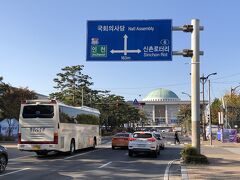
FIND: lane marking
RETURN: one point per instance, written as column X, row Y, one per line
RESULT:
column 21, row 157
column 15, row 171
column 166, row 174
column 105, row 164
column 82, row 154
column 184, row 172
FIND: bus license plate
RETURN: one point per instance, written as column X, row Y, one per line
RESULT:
column 35, row 130
column 36, row 147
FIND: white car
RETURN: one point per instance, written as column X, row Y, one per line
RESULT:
column 143, row 142
column 160, row 139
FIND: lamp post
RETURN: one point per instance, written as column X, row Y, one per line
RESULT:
column 233, row 89
column 203, row 81
column 187, row 94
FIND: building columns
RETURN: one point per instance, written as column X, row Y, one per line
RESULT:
column 153, row 112
column 166, row 114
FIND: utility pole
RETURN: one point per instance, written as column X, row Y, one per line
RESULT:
column 203, row 81
column 210, row 119
column 195, row 90
column 194, row 53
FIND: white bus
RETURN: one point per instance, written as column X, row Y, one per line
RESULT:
column 48, row 125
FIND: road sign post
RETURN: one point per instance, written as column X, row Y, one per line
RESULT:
column 131, row 40
column 147, row 40
column 195, row 86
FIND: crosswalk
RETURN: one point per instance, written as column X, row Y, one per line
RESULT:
column 181, row 144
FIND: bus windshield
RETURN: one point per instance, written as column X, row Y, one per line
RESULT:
column 38, row 111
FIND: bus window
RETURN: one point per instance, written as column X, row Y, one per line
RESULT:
column 38, row 111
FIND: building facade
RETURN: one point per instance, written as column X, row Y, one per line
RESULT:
column 161, row 107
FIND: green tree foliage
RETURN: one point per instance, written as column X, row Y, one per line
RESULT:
column 70, row 83
column 215, row 108
column 10, row 102
column 115, row 112
column 232, row 104
column 184, row 117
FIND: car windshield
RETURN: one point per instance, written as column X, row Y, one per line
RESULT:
column 122, row 135
column 38, row 111
column 157, row 135
column 142, row 135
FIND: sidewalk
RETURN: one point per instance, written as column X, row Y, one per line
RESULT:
column 224, row 162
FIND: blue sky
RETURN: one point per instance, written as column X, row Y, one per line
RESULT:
column 38, row 38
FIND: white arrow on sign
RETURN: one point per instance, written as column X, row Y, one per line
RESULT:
column 125, row 44
column 125, row 51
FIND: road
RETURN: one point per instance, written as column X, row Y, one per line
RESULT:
column 101, row 163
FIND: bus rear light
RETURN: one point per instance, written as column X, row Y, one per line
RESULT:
column 55, row 141
column 19, row 138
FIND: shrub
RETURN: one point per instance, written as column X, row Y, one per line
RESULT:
column 190, row 156
column 188, row 150
column 196, row 159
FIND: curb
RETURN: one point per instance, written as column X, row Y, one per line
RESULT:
column 166, row 174
column 184, row 172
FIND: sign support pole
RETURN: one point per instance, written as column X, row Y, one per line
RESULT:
column 195, row 85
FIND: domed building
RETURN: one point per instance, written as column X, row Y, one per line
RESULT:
column 161, row 107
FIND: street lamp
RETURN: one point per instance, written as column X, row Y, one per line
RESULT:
column 187, row 94
column 233, row 89
column 203, row 81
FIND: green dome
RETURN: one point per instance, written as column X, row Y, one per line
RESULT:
column 161, row 95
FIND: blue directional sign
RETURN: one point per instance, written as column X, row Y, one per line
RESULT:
column 132, row 40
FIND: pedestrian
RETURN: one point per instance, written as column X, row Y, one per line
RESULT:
column 176, row 138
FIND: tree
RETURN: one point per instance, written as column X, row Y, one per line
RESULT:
column 232, row 108
column 115, row 112
column 215, row 108
column 10, row 101
column 71, row 84
column 184, row 117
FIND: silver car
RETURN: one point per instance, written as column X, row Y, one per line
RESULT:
column 160, row 139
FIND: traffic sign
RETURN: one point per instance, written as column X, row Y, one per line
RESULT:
column 135, row 102
column 131, row 40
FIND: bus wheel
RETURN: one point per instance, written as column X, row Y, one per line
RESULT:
column 94, row 143
column 72, row 147
column 41, row 153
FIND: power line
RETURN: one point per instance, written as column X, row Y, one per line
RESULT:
column 224, row 77
column 150, row 87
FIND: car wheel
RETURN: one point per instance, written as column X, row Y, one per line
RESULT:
column 72, row 147
column 113, row 147
column 130, row 153
column 163, row 146
column 94, row 144
column 155, row 154
column 3, row 163
column 158, row 153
